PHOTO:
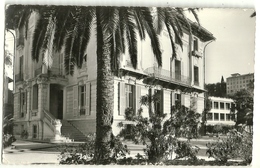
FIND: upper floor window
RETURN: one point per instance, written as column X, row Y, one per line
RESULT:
column 215, row 105
column 178, row 69
column 21, row 67
column 195, row 44
column 196, row 75
column 222, row 105
column 227, row 106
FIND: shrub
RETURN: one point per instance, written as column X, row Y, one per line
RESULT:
column 8, row 139
column 235, row 145
column 184, row 149
column 160, row 135
column 84, row 153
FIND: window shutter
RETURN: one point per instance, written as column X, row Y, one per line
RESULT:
column 182, row 99
column 75, row 100
column 172, row 99
column 87, row 99
column 138, row 96
column 122, row 98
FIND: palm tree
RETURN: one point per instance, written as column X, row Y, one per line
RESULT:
column 116, row 29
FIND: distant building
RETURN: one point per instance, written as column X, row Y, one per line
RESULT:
column 220, row 111
column 238, row 82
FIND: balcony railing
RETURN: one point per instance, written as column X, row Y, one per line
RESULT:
column 52, row 71
column 19, row 77
column 167, row 75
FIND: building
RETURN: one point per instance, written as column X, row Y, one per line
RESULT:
column 220, row 111
column 238, row 82
column 50, row 105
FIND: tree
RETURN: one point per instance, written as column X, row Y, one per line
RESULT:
column 244, row 105
column 116, row 29
column 217, row 89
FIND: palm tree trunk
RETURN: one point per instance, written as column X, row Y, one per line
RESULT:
column 105, row 96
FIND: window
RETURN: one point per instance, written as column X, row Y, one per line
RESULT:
column 21, row 67
column 222, row 117
column 215, row 105
column 227, row 106
column 195, row 44
column 129, row 95
column 158, row 102
column 35, row 96
column 210, row 116
column 23, row 103
column 221, row 105
column 35, row 130
column 177, row 70
column 196, row 75
column 227, row 117
column 82, row 99
column 177, row 98
column 216, row 116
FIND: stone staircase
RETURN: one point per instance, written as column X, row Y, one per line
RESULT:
column 70, row 131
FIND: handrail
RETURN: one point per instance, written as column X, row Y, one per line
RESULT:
column 50, row 117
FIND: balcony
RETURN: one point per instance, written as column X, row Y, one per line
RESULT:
column 19, row 77
column 53, row 71
column 166, row 75
column 196, row 53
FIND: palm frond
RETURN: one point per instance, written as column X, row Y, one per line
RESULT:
column 38, row 37
column 159, row 19
column 147, row 20
column 131, row 38
column 194, row 12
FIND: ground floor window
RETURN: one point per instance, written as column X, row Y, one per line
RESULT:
column 222, row 117
column 82, row 99
column 129, row 96
column 35, row 131
column 35, row 96
column 158, row 101
column 216, row 116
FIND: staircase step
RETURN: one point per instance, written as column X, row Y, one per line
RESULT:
column 71, row 132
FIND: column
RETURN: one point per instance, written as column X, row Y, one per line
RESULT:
column 42, row 95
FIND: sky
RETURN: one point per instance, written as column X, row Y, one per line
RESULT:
column 234, row 48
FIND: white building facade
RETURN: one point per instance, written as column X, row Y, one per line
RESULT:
column 220, row 111
column 49, row 104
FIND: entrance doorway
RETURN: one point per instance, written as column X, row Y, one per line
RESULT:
column 56, row 101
